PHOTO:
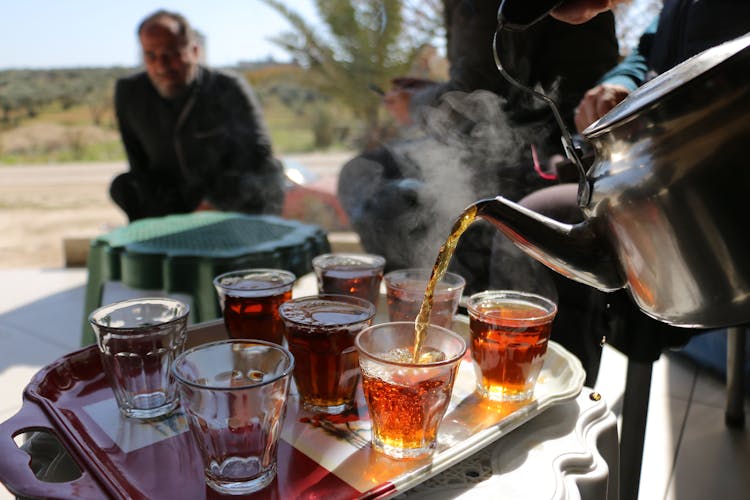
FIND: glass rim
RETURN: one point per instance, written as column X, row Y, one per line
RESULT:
column 460, row 280
column 407, row 364
column 371, row 260
column 365, row 304
column 287, row 372
column 289, row 279
column 530, row 298
column 114, row 306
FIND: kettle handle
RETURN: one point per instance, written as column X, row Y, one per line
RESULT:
column 571, row 150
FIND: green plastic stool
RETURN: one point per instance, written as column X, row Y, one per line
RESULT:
column 183, row 254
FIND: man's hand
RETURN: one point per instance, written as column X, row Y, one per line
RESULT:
column 597, row 102
column 204, row 205
column 580, row 11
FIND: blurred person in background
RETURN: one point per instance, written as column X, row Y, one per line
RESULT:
column 473, row 136
column 195, row 137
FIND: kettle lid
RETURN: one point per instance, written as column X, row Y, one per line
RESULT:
column 668, row 81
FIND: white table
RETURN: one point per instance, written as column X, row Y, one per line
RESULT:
column 568, row 452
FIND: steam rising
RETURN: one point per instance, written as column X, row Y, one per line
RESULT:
column 475, row 152
column 467, row 150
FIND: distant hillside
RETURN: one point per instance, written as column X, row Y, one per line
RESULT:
column 67, row 114
column 26, row 93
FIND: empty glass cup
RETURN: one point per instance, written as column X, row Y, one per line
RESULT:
column 234, row 396
column 138, row 340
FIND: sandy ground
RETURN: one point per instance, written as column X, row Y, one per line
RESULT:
column 42, row 206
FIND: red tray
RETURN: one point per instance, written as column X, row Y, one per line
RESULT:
column 318, row 457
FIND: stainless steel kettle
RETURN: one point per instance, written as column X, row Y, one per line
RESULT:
column 666, row 200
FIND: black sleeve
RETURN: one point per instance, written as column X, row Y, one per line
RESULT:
column 569, row 59
column 251, row 179
column 563, row 61
column 470, row 27
column 137, row 158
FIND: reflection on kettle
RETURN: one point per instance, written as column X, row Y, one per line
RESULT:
column 665, row 198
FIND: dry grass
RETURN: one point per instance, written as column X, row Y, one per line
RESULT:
column 53, row 137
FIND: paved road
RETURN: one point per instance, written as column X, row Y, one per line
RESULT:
column 59, row 174
column 62, row 174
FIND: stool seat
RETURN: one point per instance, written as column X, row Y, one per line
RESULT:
column 183, row 253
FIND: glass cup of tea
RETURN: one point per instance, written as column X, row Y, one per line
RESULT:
column 407, row 399
column 509, row 334
column 405, row 289
column 234, row 396
column 250, row 301
column 320, row 330
column 138, row 340
column 358, row 275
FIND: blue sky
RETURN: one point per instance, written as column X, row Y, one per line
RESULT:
column 72, row 33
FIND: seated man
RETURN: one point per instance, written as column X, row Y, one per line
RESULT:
column 194, row 137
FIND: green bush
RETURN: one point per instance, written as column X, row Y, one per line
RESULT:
column 324, row 128
column 103, row 151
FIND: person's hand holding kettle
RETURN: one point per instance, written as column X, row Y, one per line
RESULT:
column 597, row 102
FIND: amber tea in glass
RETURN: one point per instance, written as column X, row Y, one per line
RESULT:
column 509, row 334
column 407, row 400
column 250, row 301
column 320, row 331
column 358, row 275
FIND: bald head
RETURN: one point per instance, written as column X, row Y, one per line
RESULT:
column 176, row 21
column 170, row 52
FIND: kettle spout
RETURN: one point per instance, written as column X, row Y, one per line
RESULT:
column 573, row 250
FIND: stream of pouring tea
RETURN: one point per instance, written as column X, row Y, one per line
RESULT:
column 463, row 222
column 446, row 252
column 438, row 271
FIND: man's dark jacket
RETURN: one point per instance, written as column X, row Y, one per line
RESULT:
column 210, row 144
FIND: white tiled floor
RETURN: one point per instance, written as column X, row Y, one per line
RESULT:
column 689, row 453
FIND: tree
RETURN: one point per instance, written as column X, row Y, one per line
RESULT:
column 361, row 42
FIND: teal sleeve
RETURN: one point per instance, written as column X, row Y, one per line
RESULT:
column 633, row 70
